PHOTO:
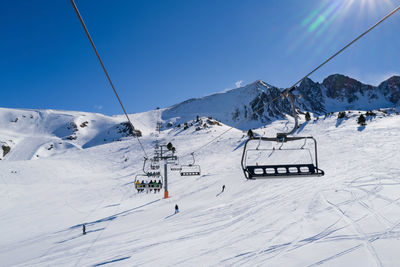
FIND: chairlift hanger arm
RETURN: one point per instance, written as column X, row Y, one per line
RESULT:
column 144, row 165
column 194, row 160
column 290, row 96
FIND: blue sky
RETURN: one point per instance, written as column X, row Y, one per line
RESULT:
column 159, row 52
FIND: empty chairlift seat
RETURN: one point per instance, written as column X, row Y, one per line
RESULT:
column 265, row 157
column 190, row 170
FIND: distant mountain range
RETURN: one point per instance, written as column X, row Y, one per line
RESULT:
column 249, row 103
column 30, row 134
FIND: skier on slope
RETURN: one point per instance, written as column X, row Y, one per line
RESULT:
column 223, row 188
column 176, row 208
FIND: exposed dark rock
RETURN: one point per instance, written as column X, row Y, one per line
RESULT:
column 391, row 89
column 84, row 124
column 6, row 149
column 126, row 128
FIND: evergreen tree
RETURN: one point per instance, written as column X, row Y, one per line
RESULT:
column 361, row 120
column 341, row 114
column 250, row 133
column 370, row 113
column 170, row 146
column 308, row 116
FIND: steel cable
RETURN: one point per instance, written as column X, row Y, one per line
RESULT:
column 106, row 73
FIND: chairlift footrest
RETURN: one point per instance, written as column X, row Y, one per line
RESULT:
column 190, row 173
column 292, row 170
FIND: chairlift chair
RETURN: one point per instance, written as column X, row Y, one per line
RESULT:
column 190, row 169
column 259, row 165
column 139, row 178
column 154, row 165
column 260, row 168
column 146, row 177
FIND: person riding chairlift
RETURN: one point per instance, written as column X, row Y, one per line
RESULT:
column 155, row 185
column 137, row 185
column 143, row 186
column 160, row 183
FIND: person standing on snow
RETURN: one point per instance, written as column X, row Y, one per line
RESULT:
column 223, row 188
column 176, row 208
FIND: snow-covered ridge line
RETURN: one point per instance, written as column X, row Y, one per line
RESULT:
column 336, row 93
column 30, row 134
column 41, row 133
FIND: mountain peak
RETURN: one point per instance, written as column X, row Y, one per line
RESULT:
column 391, row 89
column 251, row 103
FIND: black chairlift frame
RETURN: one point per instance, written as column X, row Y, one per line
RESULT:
column 285, row 170
column 196, row 171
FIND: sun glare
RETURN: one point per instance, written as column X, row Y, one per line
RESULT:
column 322, row 23
column 331, row 10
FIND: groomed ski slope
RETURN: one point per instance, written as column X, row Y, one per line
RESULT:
column 349, row 217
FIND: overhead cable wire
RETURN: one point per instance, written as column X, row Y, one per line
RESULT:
column 286, row 92
column 106, row 73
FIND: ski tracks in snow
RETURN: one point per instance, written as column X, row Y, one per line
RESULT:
column 366, row 242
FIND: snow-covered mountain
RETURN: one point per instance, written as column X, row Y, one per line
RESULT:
column 250, row 104
column 30, row 134
column 62, row 169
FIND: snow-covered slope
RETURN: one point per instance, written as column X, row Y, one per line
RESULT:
column 348, row 217
column 30, row 134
